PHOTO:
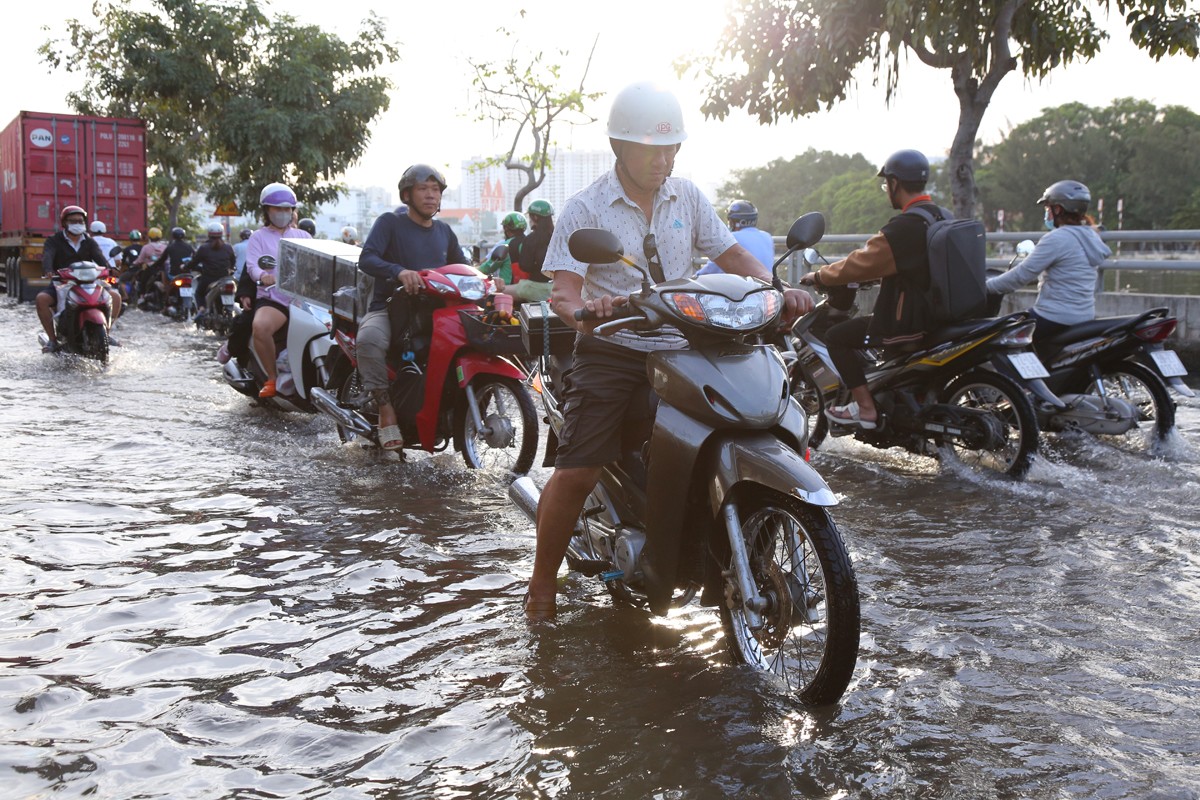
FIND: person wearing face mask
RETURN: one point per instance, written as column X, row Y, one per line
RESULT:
column 278, row 203
column 1064, row 262
column 898, row 257
column 69, row 245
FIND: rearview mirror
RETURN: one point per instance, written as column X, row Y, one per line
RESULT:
column 595, row 246
column 806, row 231
column 266, row 262
column 1025, row 247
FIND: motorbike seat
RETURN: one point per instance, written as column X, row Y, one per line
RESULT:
column 961, row 330
column 1098, row 327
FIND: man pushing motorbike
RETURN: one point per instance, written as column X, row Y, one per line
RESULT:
column 397, row 247
column 641, row 204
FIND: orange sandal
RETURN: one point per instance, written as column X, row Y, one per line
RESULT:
column 267, row 390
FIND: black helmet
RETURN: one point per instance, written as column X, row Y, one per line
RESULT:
column 419, row 173
column 246, row 233
column 1073, row 196
column 742, row 211
column 308, row 226
column 178, row 233
column 908, row 166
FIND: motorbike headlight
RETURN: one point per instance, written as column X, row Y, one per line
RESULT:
column 471, row 287
column 755, row 310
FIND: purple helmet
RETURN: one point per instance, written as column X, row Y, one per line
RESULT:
column 277, row 194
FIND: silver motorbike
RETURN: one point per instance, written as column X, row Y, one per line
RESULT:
column 718, row 501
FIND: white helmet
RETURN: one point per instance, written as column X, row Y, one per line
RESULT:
column 215, row 229
column 98, row 227
column 349, row 232
column 646, row 113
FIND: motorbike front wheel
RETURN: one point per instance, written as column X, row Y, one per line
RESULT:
column 94, row 341
column 799, row 564
column 507, row 438
column 1011, row 409
column 1141, row 387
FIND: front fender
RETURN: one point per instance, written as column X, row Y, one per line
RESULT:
column 470, row 363
column 764, row 460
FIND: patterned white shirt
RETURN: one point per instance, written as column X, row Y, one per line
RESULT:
column 683, row 222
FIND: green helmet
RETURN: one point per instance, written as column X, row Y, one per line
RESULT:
column 514, row 219
column 541, row 208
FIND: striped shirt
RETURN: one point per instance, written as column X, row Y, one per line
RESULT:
column 683, row 223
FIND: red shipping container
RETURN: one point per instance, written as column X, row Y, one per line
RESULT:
column 48, row 161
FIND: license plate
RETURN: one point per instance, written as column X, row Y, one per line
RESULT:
column 1028, row 365
column 185, row 291
column 1168, row 363
column 227, row 299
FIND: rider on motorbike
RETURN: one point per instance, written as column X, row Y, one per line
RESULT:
column 636, row 200
column 214, row 259
column 1064, row 262
column 743, row 221
column 505, row 263
column 69, row 245
column 397, row 247
column 271, row 306
column 108, row 246
column 535, row 286
column 899, row 256
column 170, row 262
column 145, row 259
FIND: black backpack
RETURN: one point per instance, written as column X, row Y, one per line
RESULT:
column 957, row 266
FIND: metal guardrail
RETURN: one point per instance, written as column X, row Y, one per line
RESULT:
column 1115, row 239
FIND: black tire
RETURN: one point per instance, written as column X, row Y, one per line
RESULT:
column 811, row 625
column 94, row 341
column 1141, row 386
column 1010, row 405
column 350, row 392
column 509, row 438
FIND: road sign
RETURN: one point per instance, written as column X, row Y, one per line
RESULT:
column 228, row 209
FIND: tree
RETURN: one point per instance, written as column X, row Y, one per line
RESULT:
column 798, row 57
column 1130, row 150
column 221, row 83
column 527, row 95
column 783, row 189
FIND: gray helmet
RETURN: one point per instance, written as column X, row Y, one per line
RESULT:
column 909, row 166
column 1073, row 196
column 419, row 173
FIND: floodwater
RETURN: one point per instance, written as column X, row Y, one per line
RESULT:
column 204, row 599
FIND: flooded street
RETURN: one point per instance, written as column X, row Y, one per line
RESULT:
column 204, row 599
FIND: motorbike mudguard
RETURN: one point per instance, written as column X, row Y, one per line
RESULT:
column 683, row 450
column 92, row 315
column 308, row 338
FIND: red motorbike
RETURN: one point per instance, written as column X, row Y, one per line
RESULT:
column 455, row 381
column 84, row 311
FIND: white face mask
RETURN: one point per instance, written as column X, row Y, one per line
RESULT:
column 76, row 228
column 281, row 219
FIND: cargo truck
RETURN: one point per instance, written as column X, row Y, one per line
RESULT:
column 48, row 161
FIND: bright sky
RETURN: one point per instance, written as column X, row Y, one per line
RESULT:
column 431, row 115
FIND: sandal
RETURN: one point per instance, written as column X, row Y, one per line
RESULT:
column 539, row 610
column 847, row 417
column 390, row 438
column 267, row 390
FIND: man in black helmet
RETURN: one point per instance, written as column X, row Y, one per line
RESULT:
column 396, row 248
column 897, row 255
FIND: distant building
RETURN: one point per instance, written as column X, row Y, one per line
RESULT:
column 493, row 188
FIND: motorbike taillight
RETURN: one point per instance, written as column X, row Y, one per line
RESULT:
column 229, row 288
column 1020, row 336
column 1156, row 331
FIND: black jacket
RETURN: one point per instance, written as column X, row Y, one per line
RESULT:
column 173, row 256
column 57, row 253
column 214, row 259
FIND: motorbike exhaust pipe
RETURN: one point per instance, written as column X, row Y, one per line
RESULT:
column 525, row 495
column 326, row 403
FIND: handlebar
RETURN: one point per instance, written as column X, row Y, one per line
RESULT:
column 619, row 312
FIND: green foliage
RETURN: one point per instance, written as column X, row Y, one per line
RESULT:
column 796, row 57
column 1130, row 150
column 525, row 97
column 270, row 99
column 784, row 189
